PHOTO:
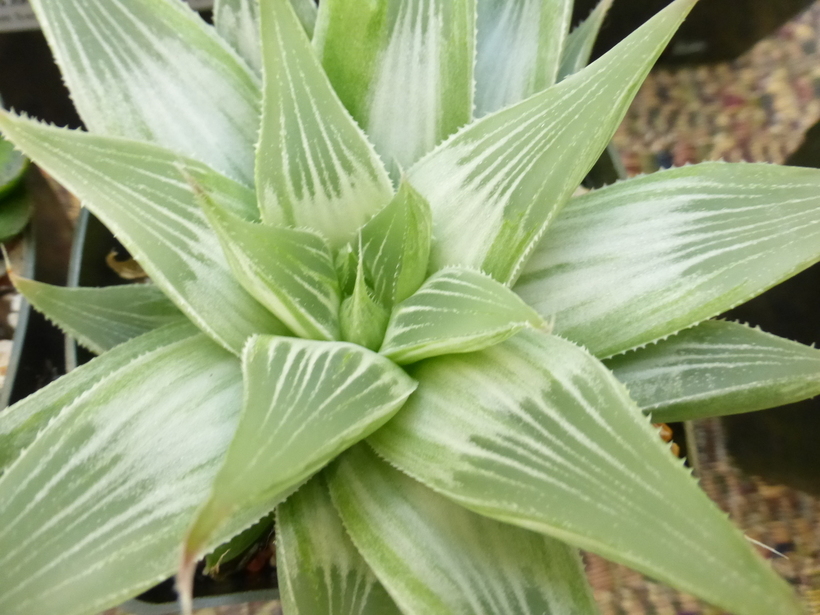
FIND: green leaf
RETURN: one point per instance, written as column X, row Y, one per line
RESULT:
column 101, row 318
column 363, row 319
column 239, row 545
column 519, row 49
column 289, row 271
column 21, row 423
column 396, row 246
column 579, row 43
column 13, row 166
column 636, row 261
column 237, row 22
column 152, row 70
column 496, row 184
column 94, row 511
column 537, row 433
column 437, row 558
column 305, row 402
column 139, row 192
column 15, row 212
column 319, row 570
column 314, row 166
column 455, row 310
column 403, row 68
column 717, row 368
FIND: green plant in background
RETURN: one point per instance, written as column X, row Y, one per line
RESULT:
column 15, row 208
column 379, row 310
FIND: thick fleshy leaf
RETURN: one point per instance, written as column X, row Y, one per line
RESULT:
column 13, row 166
column 636, row 261
column 319, row 570
column 314, row 166
column 495, row 185
column 237, row 22
column 396, row 246
column 289, row 271
column 363, row 318
column 305, row 402
column 21, row 423
column 579, row 43
column 519, row 49
column 455, row 310
column 437, row 558
column 403, row 68
column 152, row 70
column 717, row 368
column 538, row 433
column 240, row 546
column 15, row 212
column 94, row 511
column 101, row 318
column 139, row 192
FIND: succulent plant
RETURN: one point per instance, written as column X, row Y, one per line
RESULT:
column 379, row 308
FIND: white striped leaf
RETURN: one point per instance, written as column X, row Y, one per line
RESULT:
column 396, row 246
column 237, row 22
column 636, row 261
column 101, row 318
column 717, row 368
column 314, row 166
column 403, row 68
column 437, row 558
column 320, row 572
column 139, row 192
column 152, row 70
column 538, row 433
column 496, row 184
column 305, row 402
column 363, row 318
column 21, row 423
column 94, row 511
column 579, row 43
column 518, row 49
column 455, row 310
column 289, row 271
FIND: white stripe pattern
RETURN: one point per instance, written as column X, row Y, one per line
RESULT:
column 537, row 433
column 455, row 310
column 437, row 558
column 305, row 402
column 495, row 185
column 519, row 49
column 403, row 68
column 139, row 192
column 237, row 22
column 93, row 512
column 314, row 166
column 319, row 570
column 289, row 271
column 152, row 70
column 718, row 368
column 101, row 318
column 634, row 262
column 396, row 246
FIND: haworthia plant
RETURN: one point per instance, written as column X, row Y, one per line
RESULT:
column 376, row 235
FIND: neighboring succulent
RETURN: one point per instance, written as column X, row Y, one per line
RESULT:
column 15, row 208
column 393, row 285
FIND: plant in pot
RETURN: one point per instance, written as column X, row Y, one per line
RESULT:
column 379, row 311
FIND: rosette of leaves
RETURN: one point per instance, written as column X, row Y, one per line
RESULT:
column 378, row 310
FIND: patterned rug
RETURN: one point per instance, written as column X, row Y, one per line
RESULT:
column 756, row 108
